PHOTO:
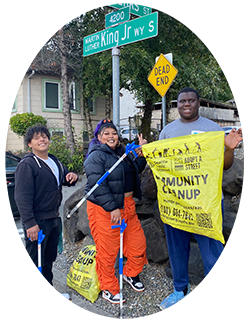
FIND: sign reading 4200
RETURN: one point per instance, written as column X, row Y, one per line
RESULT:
column 123, row 34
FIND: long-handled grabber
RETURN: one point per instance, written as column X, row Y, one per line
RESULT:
column 122, row 227
column 41, row 237
column 129, row 148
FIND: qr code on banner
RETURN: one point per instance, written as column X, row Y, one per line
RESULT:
column 204, row 220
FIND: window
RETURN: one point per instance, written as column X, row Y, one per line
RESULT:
column 10, row 103
column 91, row 105
column 73, row 97
column 57, row 132
column 51, row 91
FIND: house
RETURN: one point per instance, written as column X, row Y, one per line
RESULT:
column 40, row 93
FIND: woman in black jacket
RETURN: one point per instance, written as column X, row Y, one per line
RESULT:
column 111, row 202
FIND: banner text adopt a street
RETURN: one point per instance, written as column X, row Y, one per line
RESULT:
column 188, row 172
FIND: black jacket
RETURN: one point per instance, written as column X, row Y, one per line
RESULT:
column 110, row 194
column 37, row 193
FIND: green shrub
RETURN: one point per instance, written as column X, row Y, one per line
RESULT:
column 19, row 123
column 58, row 148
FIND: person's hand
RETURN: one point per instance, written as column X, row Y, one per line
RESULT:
column 233, row 138
column 32, row 233
column 141, row 142
column 116, row 216
column 71, row 177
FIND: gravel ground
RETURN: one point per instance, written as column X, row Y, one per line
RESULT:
column 239, row 151
column 138, row 304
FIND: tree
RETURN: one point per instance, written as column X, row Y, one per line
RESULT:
column 94, row 73
column 53, row 58
column 195, row 63
column 196, row 66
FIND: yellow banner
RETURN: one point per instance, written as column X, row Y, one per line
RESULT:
column 188, row 172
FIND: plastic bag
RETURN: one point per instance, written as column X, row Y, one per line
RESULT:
column 82, row 276
column 188, row 172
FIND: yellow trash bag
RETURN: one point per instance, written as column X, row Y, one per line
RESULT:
column 188, row 172
column 82, row 275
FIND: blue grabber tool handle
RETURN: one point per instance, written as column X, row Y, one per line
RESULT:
column 132, row 147
column 129, row 148
column 122, row 227
column 40, row 238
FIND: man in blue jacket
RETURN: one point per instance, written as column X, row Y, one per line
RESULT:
column 38, row 193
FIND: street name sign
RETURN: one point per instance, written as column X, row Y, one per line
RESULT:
column 117, row 17
column 162, row 75
column 123, row 34
column 135, row 9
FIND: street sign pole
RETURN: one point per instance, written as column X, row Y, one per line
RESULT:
column 161, row 78
column 116, row 86
column 117, row 35
column 164, row 99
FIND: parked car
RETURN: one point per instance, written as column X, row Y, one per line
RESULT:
column 14, row 235
column 131, row 134
column 11, row 162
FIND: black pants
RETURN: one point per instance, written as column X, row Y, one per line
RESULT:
column 51, row 229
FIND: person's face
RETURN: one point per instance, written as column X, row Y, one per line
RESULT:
column 39, row 143
column 188, row 106
column 110, row 137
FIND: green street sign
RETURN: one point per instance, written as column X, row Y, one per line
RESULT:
column 117, row 17
column 123, row 34
column 135, row 9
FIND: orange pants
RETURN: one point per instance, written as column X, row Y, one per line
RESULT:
column 107, row 241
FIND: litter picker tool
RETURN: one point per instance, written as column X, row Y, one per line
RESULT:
column 41, row 237
column 129, row 148
column 122, row 227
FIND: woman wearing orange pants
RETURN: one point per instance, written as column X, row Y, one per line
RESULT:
column 111, row 202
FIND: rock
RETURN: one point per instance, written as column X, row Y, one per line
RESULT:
column 156, row 241
column 233, row 223
column 233, row 178
column 83, row 222
column 88, row 241
column 238, row 205
column 157, row 216
column 72, row 232
column 148, row 185
column 239, row 181
column 144, row 207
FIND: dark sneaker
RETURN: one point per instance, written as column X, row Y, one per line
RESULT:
column 114, row 299
column 134, row 282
